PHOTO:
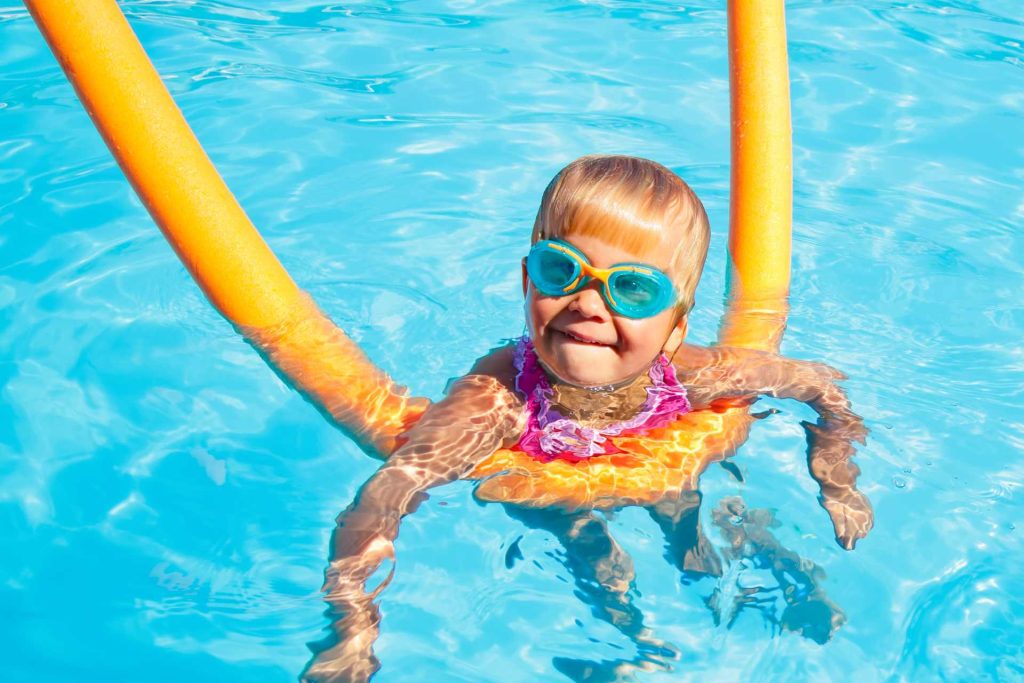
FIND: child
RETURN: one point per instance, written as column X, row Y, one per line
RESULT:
column 618, row 247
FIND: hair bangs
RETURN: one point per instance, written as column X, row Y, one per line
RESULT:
column 617, row 220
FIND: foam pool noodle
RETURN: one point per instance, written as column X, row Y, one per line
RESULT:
column 242, row 278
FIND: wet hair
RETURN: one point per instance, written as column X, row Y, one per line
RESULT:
column 632, row 204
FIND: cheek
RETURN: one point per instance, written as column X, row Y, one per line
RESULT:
column 647, row 336
column 540, row 309
column 536, row 313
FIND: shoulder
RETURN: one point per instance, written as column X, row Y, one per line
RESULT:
column 484, row 396
column 493, row 375
column 719, row 360
column 717, row 371
column 691, row 361
column 498, row 363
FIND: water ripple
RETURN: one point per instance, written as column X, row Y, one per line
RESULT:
column 962, row 625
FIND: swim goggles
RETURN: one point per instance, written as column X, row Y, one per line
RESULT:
column 632, row 290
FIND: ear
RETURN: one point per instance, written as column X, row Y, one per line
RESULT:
column 526, row 278
column 675, row 337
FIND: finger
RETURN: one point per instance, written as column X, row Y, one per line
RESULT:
column 811, row 428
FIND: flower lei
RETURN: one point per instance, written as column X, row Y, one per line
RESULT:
column 550, row 435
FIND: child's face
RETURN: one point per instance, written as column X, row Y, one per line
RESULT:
column 581, row 341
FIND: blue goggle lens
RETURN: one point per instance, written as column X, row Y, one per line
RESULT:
column 552, row 271
column 635, row 289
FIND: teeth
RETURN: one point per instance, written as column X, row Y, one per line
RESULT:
column 585, row 341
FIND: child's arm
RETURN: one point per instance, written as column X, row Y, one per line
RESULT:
column 479, row 415
column 715, row 373
column 718, row 374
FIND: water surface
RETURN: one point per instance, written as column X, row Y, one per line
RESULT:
column 166, row 502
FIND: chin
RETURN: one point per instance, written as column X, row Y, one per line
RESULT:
column 585, row 380
column 583, row 373
column 580, row 364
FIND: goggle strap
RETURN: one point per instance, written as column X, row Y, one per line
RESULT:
column 572, row 285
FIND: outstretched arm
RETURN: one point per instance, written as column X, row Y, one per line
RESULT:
column 724, row 372
column 727, row 375
column 478, row 416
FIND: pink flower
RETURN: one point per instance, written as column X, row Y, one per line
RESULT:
column 551, row 435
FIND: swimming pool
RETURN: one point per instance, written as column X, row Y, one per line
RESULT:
column 165, row 501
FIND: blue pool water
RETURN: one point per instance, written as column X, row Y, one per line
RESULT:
column 166, row 502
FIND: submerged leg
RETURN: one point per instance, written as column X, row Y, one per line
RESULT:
column 603, row 574
column 686, row 546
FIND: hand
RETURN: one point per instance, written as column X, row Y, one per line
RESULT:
column 851, row 514
column 348, row 656
column 350, row 660
column 829, row 452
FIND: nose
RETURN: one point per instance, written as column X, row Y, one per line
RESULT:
column 589, row 303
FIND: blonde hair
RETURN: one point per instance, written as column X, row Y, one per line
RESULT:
column 632, row 204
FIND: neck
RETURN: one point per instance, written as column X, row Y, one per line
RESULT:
column 595, row 406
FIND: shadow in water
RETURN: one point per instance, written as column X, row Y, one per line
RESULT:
column 764, row 576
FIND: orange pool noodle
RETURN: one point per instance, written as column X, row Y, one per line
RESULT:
column 244, row 280
column 203, row 222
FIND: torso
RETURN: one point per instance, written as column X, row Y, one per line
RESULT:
column 644, row 467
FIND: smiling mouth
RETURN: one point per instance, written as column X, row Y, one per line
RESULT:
column 582, row 340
